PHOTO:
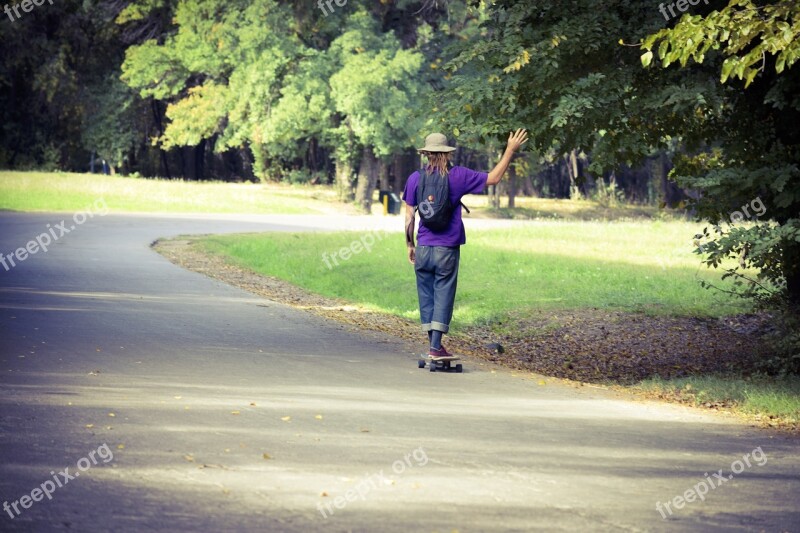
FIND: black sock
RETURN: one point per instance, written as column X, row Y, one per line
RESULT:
column 436, row 339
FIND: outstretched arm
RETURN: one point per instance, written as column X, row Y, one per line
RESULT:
column 410, row 219
column 515, row 141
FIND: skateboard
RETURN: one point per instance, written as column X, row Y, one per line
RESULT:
column 440, row 364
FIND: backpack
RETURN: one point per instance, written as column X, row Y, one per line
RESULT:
column 433, row 201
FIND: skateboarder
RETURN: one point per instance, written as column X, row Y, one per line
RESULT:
column 436, row 256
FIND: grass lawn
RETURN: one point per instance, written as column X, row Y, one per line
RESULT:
column 633, row 266
column 777, row 398
column 54, row 192
column 47, row 191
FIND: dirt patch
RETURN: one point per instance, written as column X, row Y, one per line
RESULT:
column 596, row 345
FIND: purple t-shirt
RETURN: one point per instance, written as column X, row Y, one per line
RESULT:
column 462, row 181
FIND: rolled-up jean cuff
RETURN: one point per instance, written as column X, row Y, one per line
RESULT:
column 438, row 326
column 426, row 327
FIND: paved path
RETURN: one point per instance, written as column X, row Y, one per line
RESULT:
column 108, row 349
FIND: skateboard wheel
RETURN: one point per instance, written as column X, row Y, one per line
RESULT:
column 433, row 366
column 421, row 363
column 459, row 368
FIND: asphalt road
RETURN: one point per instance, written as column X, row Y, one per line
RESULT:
column 178, row 403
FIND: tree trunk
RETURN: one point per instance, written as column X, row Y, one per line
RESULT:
column 344, row 180
column 367, row 178
column 512, row 185
column 494, row 192
column 572, row 169
column 383, row 174
column 672, row 194
column 199, row 153
column 159, row 124
column 397, row 180
column 405, row 165
column 260, row 162
column 247, row 163
column 791, row 271
column 494, row 196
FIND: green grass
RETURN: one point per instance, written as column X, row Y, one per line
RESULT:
column 639, row 267
column 769, row 397
column 559, row 209
column 46, row 191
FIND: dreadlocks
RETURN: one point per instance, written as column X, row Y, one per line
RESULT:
column 437, row 161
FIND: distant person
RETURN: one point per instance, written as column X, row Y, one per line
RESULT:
column 441, row 231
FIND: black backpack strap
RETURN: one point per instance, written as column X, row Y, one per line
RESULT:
column 465, row 207
column 418, row 193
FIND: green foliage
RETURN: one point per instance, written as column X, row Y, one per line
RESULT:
column 560, row 72
column 49, row 57
column 109, row 126
column 375, row 87
column 745, row 33
column 757, row 153
column 196, row 117
column 238, row 71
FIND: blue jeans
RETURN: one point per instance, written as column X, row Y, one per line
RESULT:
column 437, row 276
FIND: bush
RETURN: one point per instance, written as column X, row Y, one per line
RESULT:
column 608, row 195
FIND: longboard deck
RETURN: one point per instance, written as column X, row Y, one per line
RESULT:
column 444, row 358
column 440, row 364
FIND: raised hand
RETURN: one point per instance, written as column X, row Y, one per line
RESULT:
column 517, row 139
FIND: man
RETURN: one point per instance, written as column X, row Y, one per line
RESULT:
column 436, row 257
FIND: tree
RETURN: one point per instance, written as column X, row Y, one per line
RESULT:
column 560, row 71
column 377, row 96
column 110, row 121
column 220, row 73
column 758, row 153
column 50, row 57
